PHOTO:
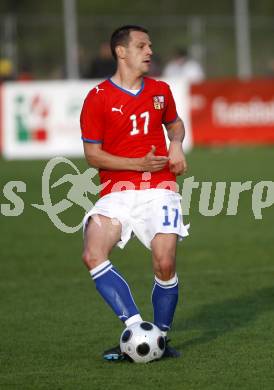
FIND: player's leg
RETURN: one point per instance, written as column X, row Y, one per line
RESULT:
column 158, row 223
column 100, row 237
column 165, row 289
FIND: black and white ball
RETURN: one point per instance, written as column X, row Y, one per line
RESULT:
column 142, row 342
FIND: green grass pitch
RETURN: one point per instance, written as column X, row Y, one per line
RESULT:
column 54, row 326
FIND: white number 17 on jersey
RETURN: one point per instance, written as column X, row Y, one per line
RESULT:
column 133, row 118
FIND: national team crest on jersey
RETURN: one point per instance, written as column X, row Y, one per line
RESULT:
column 159, row 102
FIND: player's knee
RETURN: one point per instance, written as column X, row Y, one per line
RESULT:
column 91, row 259
column 165, row 269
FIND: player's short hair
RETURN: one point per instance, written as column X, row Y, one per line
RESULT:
column 121, row 36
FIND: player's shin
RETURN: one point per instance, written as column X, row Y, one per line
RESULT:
column 164, row 299
column 116, row 292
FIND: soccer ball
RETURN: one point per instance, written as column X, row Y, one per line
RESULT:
column 142, row 342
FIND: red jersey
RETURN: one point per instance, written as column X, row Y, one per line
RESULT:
column 127, row 125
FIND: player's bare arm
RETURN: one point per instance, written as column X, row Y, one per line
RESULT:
column 177, row 160
column 98, row 158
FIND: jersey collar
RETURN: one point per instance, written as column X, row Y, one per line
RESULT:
column 126, row 91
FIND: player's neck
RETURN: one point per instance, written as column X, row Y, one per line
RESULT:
column 127, row 80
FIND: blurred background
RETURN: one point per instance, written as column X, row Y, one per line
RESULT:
column 228, row 38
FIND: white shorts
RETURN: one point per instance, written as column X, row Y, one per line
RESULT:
column 143, row 213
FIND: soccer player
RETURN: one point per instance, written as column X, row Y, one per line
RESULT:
column 121, row 122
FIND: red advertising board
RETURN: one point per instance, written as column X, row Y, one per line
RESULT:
column 233, row 112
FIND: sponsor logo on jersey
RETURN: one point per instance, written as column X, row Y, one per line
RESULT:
column 159, row 102
column 98, row 89
column 118, row 109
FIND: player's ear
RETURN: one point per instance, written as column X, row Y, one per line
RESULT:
column 120, row 51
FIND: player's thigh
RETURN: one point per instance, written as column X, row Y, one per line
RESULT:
column 163, row 247
column 101, row 235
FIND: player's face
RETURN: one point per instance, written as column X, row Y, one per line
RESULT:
column 138, row 52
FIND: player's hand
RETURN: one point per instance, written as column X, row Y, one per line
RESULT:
column 177, row 160
column 152, row 163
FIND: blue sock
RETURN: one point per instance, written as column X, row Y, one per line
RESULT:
column 164, row 299
column 115, row 291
